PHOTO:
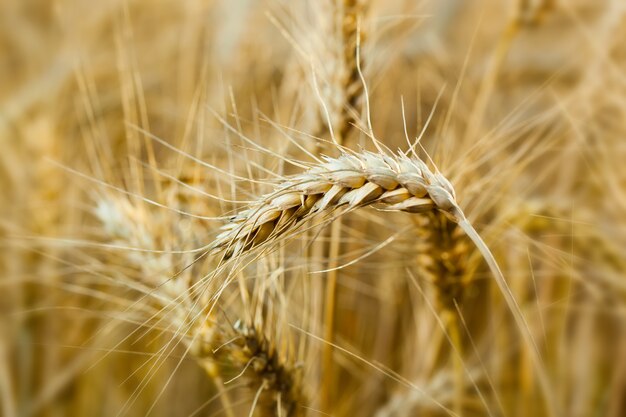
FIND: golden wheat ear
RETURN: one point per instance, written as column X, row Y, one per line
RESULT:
column 393, row 183
column 396, row 183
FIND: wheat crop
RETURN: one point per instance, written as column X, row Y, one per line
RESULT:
column 290, row 208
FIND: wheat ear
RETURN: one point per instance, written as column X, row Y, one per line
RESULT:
column 353, row 10
column 176, row 310
column 338, row 62
column 395, row 183
column 181, row 307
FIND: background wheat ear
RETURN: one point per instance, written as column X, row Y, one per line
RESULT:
column 277, row 381
column 185, row 305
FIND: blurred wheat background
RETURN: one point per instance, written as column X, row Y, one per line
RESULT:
column 132, row 132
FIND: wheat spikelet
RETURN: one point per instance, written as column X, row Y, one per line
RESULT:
column 397, row 183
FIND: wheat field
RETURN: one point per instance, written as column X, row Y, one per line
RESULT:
column 384, row 208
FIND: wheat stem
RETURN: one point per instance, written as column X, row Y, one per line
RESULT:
column 452, row 327
column 329, row 315
column 515, row 310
